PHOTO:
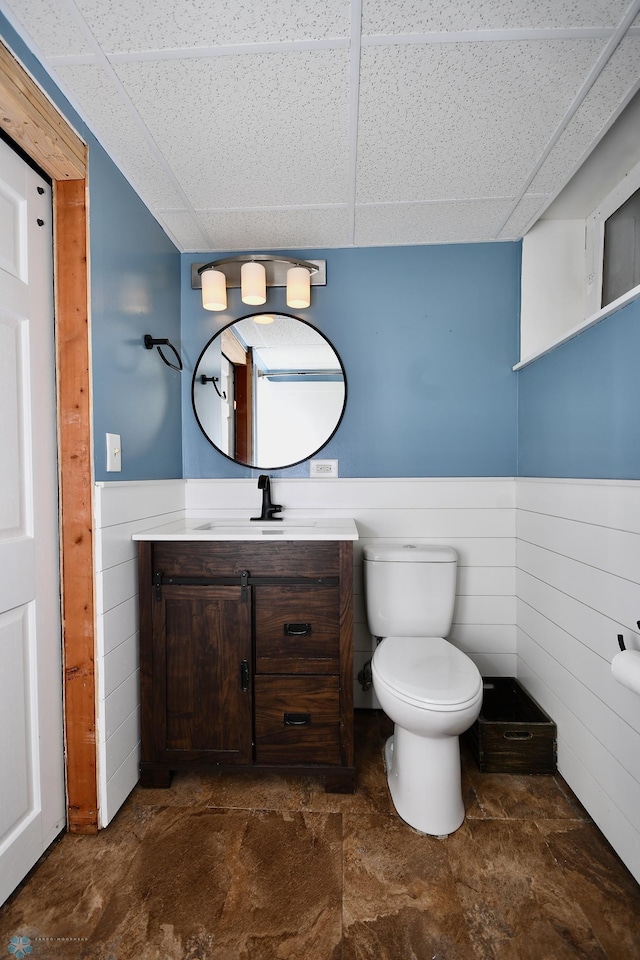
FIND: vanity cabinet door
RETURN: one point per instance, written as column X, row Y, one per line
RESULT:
column 202, row 675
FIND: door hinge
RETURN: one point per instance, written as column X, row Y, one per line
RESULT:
column 244, row 586
column 157, row 584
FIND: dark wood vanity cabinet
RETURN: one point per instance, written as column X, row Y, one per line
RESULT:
column 246, row 657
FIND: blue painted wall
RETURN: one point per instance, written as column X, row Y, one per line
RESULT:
column 135, row 289
column 579, row 407
column 427, row 335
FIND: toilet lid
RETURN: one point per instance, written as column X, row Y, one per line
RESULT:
column 428, row 669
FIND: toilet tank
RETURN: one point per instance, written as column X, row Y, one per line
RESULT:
column 409, row 589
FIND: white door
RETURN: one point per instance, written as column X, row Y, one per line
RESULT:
column 32, row 795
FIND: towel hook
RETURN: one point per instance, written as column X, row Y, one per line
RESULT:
column 150, row 343
column 214, row 381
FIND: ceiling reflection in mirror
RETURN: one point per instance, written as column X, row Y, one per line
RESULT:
column 269, row 390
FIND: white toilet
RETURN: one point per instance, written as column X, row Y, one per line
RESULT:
column 430, row 689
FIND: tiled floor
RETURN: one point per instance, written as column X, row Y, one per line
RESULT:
column 247, row 868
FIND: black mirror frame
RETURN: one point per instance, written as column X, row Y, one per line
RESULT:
column 243, row 463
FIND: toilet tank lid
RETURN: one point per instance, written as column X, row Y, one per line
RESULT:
column 408, row 552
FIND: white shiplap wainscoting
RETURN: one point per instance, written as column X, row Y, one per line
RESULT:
column 574, row 586
column 578, row 587
column 120, row 510
column 476, row 516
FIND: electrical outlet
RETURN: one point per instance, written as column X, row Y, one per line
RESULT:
column 114, row 453
column 323, row 468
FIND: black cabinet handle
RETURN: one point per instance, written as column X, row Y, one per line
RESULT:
column 297, row 719
column 297, row 629
column 244, row 675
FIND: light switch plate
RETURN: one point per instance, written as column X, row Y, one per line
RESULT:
column 114, row 453
column 323, row 468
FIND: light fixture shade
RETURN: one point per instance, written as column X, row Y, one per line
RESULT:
column 263, row 318
column 298, row 287
column 253, row 283
column 214, row 290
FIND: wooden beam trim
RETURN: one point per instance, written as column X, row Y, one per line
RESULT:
column 34, row 123
column 76, row 502
column 232, row 348
column 36, row 126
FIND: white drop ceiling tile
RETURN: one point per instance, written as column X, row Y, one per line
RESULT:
column 446, row 222
column 618, row 79
column 277, row 229
column 123, row 26
column 50, row 25
column 250, row 131
column 416, row 16
column 186, row 228
column 118, row 132
column 522, row 216
column 147, row 174
column 422, row 137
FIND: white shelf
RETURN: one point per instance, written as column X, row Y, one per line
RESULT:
column 591, row 321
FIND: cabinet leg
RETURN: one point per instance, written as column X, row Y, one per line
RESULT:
column 340, row 781
column 152, row 775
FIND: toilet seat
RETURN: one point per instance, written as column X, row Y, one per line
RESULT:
column 428, row 672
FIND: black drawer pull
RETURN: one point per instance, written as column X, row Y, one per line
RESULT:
column 297, row 719
column 297, row 629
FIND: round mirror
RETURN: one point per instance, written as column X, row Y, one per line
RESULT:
column 269, row 391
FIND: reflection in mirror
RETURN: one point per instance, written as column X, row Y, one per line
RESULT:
column 269, row 391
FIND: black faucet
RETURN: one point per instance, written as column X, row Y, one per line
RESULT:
column 268, row 508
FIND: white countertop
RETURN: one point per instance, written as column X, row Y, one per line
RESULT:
column 241, row 528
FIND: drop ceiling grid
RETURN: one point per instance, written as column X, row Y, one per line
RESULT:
column 180, row 223
column 422, row 138
column 616, row 84
column 249, row 131
column 160, row 25
column 276, row 167
column 521, row 216
column 98, row 98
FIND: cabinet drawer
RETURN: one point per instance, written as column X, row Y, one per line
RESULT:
column 297, row 719
column 297, row 629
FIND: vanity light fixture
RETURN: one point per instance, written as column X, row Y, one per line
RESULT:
column 263, row 318
column 253, row 283
column 298, row 287
column 254, row 273
column 214, row 290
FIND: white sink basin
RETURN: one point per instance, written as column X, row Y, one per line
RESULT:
column 240, row 528
column 263, row 525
